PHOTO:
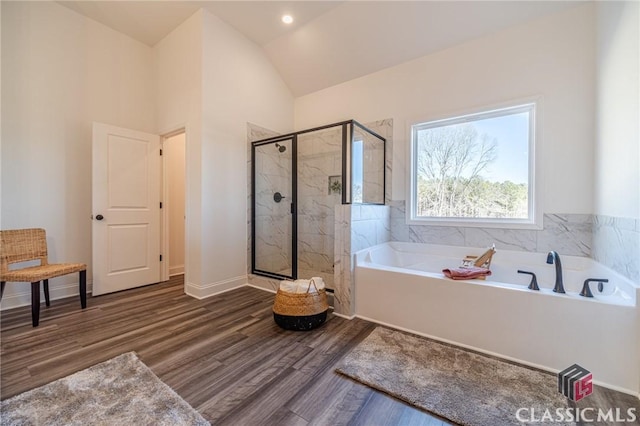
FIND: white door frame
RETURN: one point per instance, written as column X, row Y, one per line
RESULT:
column 164, row 212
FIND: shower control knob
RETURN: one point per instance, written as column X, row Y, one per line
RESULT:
column 277, row 197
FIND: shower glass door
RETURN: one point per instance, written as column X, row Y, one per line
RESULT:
column 273, row 201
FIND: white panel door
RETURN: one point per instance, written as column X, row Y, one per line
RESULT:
column 126, row 209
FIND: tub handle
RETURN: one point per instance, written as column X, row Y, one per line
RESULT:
column 586, row 291
column 533, row 285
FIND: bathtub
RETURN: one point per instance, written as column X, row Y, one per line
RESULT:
column 401, row 285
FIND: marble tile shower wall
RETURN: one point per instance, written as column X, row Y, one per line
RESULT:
column 616, row 244
column 320, row 157
column 255, row 133
column 319, row 164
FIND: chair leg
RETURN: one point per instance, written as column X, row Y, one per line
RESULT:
column 2, row 283
column 83, row 289
column 35, row 303
column 45, row 284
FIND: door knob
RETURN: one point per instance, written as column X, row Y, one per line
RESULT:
column 99, row 217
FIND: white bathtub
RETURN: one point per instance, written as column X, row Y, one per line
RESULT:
column 402, row 285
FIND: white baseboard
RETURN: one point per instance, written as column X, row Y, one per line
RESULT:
column 270, row 290
column 208, row 290
column 344, row 316
column 23, row 297
column 176, row 270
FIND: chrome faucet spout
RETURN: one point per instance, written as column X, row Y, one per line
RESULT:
column 554, row 258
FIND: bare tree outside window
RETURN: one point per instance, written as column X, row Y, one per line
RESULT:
column 473, row 168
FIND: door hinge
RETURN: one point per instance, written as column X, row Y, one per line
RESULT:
column 160, row 204
column 160, row 151
column 160, row 258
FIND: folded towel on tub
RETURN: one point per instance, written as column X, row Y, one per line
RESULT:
column 466, row 273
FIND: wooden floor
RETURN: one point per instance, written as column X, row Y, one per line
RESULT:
column 224, row 355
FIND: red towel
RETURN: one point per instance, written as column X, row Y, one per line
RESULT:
column 466, row 273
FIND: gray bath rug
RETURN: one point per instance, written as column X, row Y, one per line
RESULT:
column 121, row 391
column 464, row 387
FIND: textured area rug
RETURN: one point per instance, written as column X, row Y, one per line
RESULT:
column 462, row 386
column 116, row 392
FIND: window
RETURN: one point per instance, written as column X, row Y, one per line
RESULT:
column 475, row 170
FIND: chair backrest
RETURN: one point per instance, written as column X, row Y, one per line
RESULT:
column 21, row 245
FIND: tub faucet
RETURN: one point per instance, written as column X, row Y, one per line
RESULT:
column 553, row 257
column 586, row 291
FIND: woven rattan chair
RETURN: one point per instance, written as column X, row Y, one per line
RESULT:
column 22, row 245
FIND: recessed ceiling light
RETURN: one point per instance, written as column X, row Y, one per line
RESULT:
column 287, row 19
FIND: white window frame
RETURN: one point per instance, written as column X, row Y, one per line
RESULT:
column 535, row 179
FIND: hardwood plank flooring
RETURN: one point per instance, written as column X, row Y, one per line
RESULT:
column 224, row 355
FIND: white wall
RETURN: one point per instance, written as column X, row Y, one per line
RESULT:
column 617, row 177
column 178, row 87
column 552, row 57
column 212, row 80
column 174, row 157
column 61, row 72
column 240, row 85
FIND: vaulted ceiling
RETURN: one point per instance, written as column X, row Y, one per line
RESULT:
column 330, row 42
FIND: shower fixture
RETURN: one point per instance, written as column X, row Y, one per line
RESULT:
column 277, row 197
column 281, row 148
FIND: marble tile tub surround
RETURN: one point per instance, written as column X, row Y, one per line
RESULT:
column 357, row 227
column 616, row 244
column 569, row 234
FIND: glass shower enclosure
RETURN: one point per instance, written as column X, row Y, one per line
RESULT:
column 296, row 181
